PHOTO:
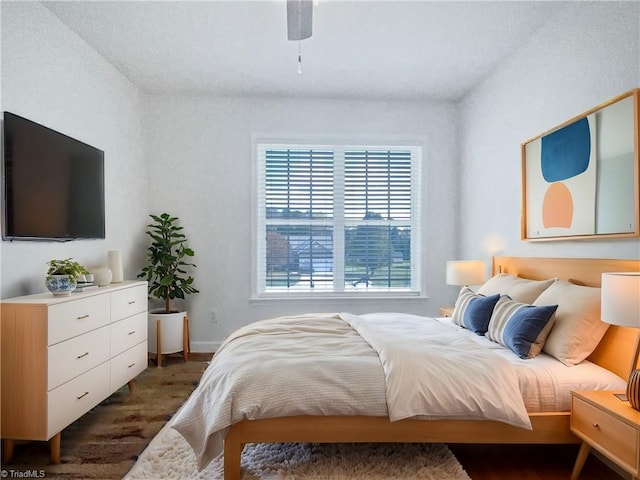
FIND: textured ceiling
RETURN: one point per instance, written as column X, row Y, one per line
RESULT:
column 359, row 49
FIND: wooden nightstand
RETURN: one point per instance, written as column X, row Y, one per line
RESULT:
column 446, row 311
column 609, row 425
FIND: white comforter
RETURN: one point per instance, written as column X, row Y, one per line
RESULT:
column 347, row 365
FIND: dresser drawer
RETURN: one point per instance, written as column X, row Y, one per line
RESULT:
column 73, row 399
column 77, row 355
column 128, row 365
column 76, row 317
column 128, row 301
column 605, row 431
column 128, row 332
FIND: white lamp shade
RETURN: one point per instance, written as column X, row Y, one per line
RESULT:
column 621, row 299
column 465, row 272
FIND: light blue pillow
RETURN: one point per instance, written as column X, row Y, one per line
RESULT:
column 520, row 327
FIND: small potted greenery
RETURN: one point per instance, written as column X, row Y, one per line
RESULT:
column 62, row 276
column 167, row 258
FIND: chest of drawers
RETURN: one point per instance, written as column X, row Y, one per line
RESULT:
column 61, row 356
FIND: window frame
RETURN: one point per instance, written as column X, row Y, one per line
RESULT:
column 417, row 288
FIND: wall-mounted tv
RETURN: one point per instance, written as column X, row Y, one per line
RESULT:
column 53, row 184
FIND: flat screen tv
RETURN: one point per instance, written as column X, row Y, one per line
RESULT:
column 53, row 184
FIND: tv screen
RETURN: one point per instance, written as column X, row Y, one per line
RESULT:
column 53, row 184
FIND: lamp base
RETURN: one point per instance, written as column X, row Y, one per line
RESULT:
column 633, row 389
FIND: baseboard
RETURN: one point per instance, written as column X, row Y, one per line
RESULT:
column 205, row 347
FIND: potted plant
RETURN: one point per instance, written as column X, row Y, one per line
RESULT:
column 62, row 276
column 167, row 258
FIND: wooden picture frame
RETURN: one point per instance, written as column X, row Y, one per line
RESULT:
column 581, row 179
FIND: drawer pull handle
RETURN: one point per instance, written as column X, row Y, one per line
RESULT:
column 83, row 355
column 83, row 317
column 132, row 302
column 131, row 333
column 131, row 365
column 596, row 425
column 83, row 395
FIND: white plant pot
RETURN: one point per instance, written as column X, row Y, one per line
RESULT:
column 172, row 329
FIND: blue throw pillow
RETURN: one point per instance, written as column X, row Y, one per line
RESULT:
column 520, row 327
column 478, row 313
column 464, row 297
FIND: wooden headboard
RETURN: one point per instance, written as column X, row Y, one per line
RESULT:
column 616, row 350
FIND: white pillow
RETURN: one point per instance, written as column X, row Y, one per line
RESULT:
column 578, row 328
column 519, row 289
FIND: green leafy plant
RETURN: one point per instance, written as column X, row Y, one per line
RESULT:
column 66, row 267
column 166, row 258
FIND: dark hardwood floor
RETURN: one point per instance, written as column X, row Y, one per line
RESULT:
column 528, row 462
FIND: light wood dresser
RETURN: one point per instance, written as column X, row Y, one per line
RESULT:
column 61, row 356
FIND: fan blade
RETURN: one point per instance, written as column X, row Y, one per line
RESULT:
column 299, row 19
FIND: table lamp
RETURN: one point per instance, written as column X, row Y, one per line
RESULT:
column 465, row 272
column 621, row 306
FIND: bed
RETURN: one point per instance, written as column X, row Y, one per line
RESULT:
column 613, row 353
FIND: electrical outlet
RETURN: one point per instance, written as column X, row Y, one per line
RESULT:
column 214, row 316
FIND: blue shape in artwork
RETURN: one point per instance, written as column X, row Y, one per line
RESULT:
column 565, row 152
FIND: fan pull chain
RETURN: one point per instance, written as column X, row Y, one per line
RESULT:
column 299, row 35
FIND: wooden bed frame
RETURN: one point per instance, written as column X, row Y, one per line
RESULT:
column 614, row 353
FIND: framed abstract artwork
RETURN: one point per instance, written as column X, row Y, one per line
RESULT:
column 581, row 179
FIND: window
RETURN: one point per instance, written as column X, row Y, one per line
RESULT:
column 337, row 219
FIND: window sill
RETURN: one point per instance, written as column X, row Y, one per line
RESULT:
column 333, row 297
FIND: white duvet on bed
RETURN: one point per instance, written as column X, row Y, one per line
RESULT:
column 433, row 372
column 545, row 383
column 320, row 365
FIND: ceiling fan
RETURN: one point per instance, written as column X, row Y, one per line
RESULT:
column 299, row 19
column 299, row 23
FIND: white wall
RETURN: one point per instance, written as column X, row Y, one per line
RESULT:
column 199, row 150
column 192, row 156
column 584, row 56
column 51, row 76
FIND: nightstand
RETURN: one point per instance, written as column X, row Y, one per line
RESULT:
column 446, row 311
column 609, row 425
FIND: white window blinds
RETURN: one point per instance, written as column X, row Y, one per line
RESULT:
column 337, row 219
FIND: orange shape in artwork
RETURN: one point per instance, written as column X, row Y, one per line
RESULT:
column 557, row 206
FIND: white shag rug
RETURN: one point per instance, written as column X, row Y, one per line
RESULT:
column 168, row 456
